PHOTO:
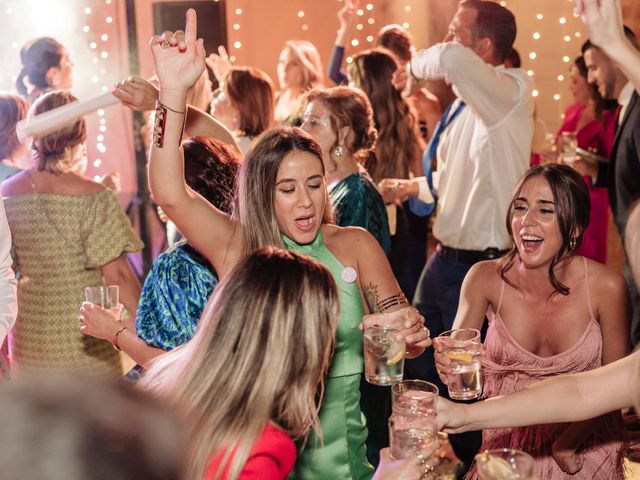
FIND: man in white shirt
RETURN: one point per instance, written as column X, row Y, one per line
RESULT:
column 481, row 155
column 621, row 175
column 8, row 295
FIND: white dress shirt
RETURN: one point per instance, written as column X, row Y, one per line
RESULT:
column 623, row 100
column 485, row 149
column 8, row 294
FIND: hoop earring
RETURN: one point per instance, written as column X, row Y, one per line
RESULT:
column 338, row 151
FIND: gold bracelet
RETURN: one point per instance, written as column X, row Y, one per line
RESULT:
column 114, row 342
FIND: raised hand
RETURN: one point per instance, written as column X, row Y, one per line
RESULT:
column 219, row 63
column 179, row 56
column 603, row 19
column 347, row 14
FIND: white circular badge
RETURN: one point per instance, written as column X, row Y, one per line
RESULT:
column 349, row 275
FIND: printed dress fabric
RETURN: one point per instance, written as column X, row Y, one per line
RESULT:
column 358, row 203
column 173, row 297
column 509, row 367
column 342, row 452
column 597, row 135
column 271, row 458
column 60, row 242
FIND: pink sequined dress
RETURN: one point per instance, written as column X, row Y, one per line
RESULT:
column 509, row 367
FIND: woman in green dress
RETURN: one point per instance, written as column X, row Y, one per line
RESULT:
column 282, row 201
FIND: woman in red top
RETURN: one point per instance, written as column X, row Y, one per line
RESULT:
column 249, row 379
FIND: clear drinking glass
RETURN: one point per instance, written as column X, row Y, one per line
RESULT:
column 505, row 464
column 567, row 145
column 413, row 422
column 383, row 355
column 462, row 346
column 410, row 434
column 106, row 296
column 414, row 397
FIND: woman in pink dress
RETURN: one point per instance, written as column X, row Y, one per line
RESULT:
column 594, row 121
column 550, row 312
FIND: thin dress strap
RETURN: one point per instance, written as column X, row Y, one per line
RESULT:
column 502, row 284
column 586, row 287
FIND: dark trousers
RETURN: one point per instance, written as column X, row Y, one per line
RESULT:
column 436, row 298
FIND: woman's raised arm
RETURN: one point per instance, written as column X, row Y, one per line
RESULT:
column 179, row 61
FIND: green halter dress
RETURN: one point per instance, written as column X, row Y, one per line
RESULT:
column 342, row 451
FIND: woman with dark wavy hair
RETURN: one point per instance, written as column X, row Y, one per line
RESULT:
column 550, row 312
column 398, row 155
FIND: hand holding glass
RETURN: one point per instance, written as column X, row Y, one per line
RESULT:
column 106, row 296
column 383, row 355
column 462, row 347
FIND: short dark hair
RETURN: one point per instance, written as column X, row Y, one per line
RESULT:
column 513, row 58
column 627, row 33
column 397, row 40
column 495, row 22
column 12, row 109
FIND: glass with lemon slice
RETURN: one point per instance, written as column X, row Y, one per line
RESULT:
column 383, row 355
column 505, row 464
column 462, row 347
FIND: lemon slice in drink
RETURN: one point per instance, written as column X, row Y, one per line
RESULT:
column 396, row 358
column 497, row 468
column 465, row 357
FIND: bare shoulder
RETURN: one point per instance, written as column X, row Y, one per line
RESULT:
column 604, row 281
column 351, row 243
column 84, row 186
column 486, row 272
column 18, row 184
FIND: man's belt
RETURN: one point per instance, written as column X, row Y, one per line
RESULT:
column 469, row 256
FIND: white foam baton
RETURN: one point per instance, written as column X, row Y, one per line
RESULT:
column 61, row 117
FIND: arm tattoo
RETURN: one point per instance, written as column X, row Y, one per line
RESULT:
column 371, row 296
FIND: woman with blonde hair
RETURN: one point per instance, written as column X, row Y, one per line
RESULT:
column 282, row 202
column 68, row 233
column 251, row 378
column 299, row 70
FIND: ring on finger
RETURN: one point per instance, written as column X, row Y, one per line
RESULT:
column 164, row 44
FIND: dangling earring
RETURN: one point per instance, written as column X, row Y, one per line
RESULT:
column 338, row 151
column 572, row 244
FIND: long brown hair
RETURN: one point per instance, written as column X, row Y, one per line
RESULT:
column 372, row 71
column 260, row 353
column 572, row 206
column 257, row 185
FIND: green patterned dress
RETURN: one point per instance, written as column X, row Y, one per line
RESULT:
column 59, row 243
column 342, row 452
